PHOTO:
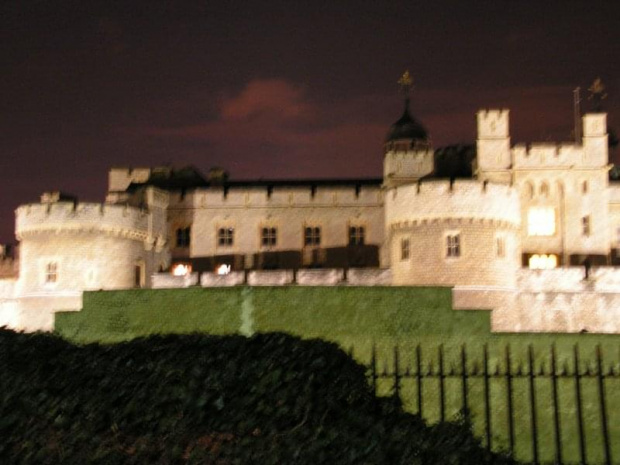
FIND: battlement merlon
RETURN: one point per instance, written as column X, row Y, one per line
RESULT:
column 493, row 123
column 119, row 179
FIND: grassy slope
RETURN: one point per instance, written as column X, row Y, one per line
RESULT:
column 359, row 318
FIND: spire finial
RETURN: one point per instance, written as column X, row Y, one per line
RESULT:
column 405, row 83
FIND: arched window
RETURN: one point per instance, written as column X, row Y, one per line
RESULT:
column 584, row 187
column 529, row 190
column 544, row 189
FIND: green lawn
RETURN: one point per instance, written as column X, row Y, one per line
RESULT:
column 360, row 317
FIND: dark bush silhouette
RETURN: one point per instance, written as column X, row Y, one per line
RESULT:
column 269, row 399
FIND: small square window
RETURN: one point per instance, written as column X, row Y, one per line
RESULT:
column 225, row 236
column 312, row 236
column 268, row 237
column 453, row 245
column 404, row 249
column 356, row 235
column 51, row 272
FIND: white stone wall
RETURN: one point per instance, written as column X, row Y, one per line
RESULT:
column 369, row 277
column 234, row 278
column 169, row 281
column 571, row 202
column 287, row 209
column 270, row 277
column 427, row 213
column 406, row 166
column 327, row 277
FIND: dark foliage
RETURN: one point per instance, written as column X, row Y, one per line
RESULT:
column 269, row 399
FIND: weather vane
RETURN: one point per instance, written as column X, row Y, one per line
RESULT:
column 405, row 83
column 597, row 94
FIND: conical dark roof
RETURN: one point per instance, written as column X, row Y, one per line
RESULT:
column 407, row 128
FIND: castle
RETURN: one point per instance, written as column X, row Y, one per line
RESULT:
column 516, row 231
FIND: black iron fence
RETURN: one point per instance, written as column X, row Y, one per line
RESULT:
column 587, row 406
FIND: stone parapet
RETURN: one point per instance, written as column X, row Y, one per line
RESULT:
column 547, row 155
column 473, row 200
column 118, row 220
column 369, row 277
column 601, row 279
column 328, row 277
column 270, row 278
column 236, row 278
column 284, row 197
column 169, row 281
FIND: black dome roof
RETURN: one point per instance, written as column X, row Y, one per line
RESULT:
column 407, row 128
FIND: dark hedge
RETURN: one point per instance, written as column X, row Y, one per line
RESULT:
column 269, row 399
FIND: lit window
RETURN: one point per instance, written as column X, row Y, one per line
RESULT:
column 453, row 245
column 541, row 221
column 404, row 249
column 500, row 246
column 585, row 225
column 183, row 237
column 268, row 237
column 544, row 189
column 312, row 236
column 543, row 262
column 181, row 269
column 51, row 272
column 356, row 235
column 225, row 236
column 223, row 269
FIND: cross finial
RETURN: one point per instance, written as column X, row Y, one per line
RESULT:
column 405, row 83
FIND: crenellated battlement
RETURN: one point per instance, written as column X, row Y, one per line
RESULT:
column 465, row 200
column 281, row 197
column 82, row 217
column 547, row 155
column 493, row 123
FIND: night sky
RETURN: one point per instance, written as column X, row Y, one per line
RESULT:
column 270, row 89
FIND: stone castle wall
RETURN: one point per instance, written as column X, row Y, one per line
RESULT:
column 289, row 210
column 479, row 214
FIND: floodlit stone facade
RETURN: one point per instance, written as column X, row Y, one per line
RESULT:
column 515, row 235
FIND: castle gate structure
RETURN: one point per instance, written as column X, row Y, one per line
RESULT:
column 512, row 228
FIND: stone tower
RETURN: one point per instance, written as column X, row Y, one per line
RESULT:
column 493, row 146
column 408, row 155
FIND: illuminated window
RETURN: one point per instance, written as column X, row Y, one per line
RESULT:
column 225, row 236
column 51, row 272
column 223, row 269
column 356, row 235
column 543, row 262
column 544, row 189
column 312, row 235
column 500, row 246
column 585, row 225
column 268, row 237
column 453, row 245
column 541, row 221
column 404, row 249
column 181, row 269
column 183, row 237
